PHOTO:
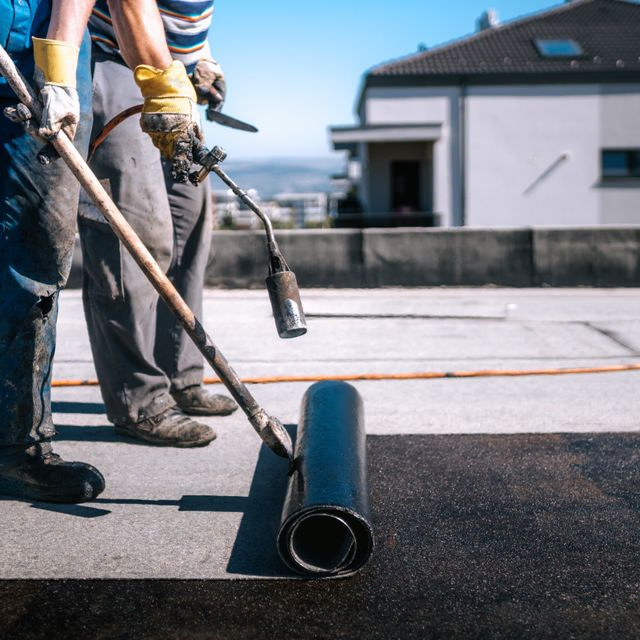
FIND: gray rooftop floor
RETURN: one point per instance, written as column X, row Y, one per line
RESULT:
column 169, row 513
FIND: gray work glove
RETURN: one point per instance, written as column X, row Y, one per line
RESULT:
column 60, row 110
column 55, row 77
column 208, row 81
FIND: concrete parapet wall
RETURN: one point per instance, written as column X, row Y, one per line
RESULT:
column 416, row 258
column 600, row 256
column 319, row 258
column 412, row 257
column 597, row 256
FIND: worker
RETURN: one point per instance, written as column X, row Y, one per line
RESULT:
column 149, row 370
column 48, row 42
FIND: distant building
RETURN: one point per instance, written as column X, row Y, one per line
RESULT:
column 530, row 122
column 284, row 210
column 230, row 212
column 307, row 209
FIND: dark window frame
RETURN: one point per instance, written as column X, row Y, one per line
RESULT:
column 632, row 164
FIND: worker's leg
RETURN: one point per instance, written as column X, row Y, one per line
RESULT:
column 38, row 207
column 175, row 351
column 120, row 303
column 191, row 215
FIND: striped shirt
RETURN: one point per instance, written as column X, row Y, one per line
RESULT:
column 186, row 24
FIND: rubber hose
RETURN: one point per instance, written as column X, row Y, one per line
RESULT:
column 326, row 526
column 420, row 375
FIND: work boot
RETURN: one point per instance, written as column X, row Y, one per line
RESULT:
column 46, row 477
column 198, row 401
column 169, row 429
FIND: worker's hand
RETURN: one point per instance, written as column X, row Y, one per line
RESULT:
column 55, row 77
column 170, row 114
column 209, row 83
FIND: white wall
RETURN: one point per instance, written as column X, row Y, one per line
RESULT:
column 532, row 156
column 416, row 105
column 620, row 115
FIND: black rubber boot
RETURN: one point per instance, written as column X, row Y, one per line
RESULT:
column 46, row 477
column 198, row 401
column 169, row 429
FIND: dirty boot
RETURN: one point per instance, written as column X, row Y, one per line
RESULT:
column 169, row 429
column 46, row 477
column 198, row 401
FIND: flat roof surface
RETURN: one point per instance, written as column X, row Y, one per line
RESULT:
column 502, row 506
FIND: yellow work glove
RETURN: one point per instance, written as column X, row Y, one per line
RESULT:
column 55, row 76
column 170, row 114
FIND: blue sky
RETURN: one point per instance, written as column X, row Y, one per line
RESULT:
column 293, row 67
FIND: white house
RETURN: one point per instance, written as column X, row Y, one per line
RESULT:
column 535, row 122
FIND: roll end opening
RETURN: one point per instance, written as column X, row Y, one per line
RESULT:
column 322, row 543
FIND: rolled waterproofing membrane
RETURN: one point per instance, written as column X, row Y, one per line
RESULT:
column 326, row 527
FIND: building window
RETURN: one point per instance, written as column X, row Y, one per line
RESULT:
column 562, row 48
column 621, row 163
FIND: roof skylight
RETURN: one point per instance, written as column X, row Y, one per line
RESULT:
column 560, row 48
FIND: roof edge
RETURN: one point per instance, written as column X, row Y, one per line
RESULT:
column 525, row 78
column 622, row 76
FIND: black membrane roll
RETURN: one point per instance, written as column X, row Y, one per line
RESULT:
column 326, row 527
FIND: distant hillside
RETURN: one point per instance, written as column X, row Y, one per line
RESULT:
column 277, row 175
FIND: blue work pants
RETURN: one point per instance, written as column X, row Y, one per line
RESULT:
column 38, row 207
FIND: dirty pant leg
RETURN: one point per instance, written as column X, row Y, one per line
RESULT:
column 191, row 213
column 38, row 208
column 119, row 302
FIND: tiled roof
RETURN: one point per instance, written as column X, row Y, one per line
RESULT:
column 607, row 30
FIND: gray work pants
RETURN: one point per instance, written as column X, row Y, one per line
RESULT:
column 140, row 352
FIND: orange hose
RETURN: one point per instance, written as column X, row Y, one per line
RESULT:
column 424, row 375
